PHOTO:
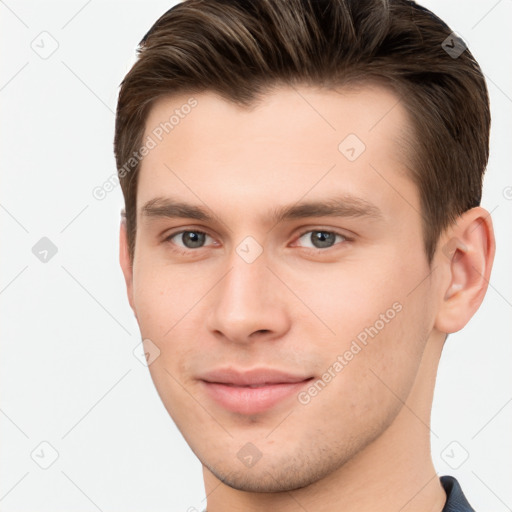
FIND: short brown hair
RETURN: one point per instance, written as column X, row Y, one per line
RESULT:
column 241, row 48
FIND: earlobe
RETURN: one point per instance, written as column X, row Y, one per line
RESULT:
column 466, row 253
column 125, row 262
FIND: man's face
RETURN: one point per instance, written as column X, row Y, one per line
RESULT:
column 284, row 340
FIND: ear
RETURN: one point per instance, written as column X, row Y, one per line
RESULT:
column 466, row 255
column 125, row 261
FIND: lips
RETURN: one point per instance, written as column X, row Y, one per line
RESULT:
column 253, row 391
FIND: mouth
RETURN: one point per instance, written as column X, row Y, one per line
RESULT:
column 251, row 392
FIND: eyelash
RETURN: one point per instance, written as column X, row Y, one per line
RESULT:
column 185, row 251
column 316, row 250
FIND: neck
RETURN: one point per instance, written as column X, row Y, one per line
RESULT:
column 394, row 473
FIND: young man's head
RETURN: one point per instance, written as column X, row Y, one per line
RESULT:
column 302, row 182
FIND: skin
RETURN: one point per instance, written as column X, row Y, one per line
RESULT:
column 362, row 443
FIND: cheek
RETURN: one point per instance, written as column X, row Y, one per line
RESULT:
column 350, row 297
column 380, row 318
column 162, row 299
column 368, row 378
column 163, row 296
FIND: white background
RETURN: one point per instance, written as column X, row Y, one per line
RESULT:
column 68, row 373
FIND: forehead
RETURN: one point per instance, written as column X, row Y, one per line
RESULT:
column 372, row 112
column 293, row 141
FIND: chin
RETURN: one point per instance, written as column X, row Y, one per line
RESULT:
column 275, row 475
column 263, row 482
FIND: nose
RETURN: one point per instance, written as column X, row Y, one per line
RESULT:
column 249, row 303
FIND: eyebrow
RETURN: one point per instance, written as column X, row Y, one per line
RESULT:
column 339, row 206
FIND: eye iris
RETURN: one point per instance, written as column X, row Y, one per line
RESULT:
column 192, row 239
column 321, row 239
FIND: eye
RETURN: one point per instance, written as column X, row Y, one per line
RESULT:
column 321, row 239
column 189, row 239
